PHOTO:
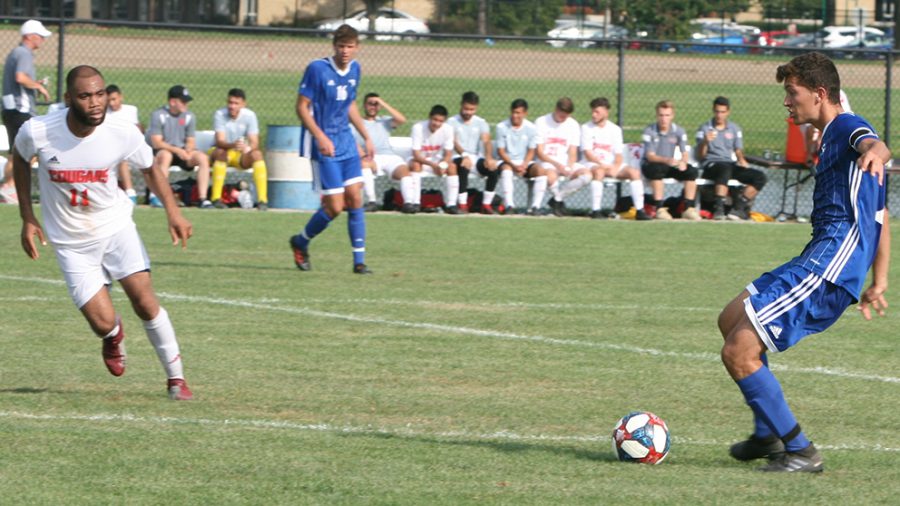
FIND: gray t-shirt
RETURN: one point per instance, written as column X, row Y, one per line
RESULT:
column 242, row 126
column 174, row 129
column 469, row 134
column 664, row 144
column 379, row 130
column 15, row 96
column 722, row 148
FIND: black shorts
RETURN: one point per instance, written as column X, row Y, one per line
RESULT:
column 177, row 161
column 479, row 166
column 656, row 171
column 721, row 172
column 13, row 121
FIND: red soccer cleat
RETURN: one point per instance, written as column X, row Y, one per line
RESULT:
column 114, row 352
column 179, row 391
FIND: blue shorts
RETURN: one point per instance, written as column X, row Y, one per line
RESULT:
column 790, row 303
column 331, row 176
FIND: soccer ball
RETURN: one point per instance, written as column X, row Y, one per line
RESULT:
column 641, row 436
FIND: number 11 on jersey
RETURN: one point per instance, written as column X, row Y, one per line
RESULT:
column 84, row 198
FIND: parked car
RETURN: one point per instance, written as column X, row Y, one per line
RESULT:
column 871, row 47
column 580, row 34
column 719, row 41
column 841, row 36
column 774, row 38
column 387, row 20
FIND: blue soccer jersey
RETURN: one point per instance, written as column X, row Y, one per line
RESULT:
column 848, row 208
column 332, row 92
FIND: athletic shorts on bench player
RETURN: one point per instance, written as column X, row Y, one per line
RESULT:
column 387, row 164
column 88, row 268
column 790, row 303
column 331, row 176
column 550, row 166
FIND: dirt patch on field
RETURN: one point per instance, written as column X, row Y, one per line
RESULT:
column 419, row 59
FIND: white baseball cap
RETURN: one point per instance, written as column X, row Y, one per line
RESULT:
column 34, row 26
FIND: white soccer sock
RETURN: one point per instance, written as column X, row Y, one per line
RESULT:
column 488, row 198
column 406, row 189
column 452, row 190
column 554, row 190
column 637, row 193
column 162, row 336
column 416, row 197
column 463, row 198
column 596, row 195
column 369, row 184
column 538, row 192
column 506, row 183
column 573, row 186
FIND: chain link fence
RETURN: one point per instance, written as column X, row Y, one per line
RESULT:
column 413, row 75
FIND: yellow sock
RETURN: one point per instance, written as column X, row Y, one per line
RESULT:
column 219, row 169
column 261, row 178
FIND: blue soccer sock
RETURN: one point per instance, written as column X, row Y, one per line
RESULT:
column 319, row 222
column 764, row 396
column 356, row 226
column 760, row 427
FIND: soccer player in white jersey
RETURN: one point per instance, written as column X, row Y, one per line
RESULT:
column 602, row 146
column 128, row 113
column 472, row 144
column 516, row 145
column 806, row 295
column 384, row 160
column 432, row 150
column 88, row 217
column 558, row 139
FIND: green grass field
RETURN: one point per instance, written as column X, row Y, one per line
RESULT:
column 485, row 362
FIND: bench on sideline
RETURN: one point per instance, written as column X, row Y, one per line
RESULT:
column 402, row 146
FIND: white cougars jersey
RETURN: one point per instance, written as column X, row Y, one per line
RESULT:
column 80, row 198
column 605, row 142
column 557, row 137
column 432, row 144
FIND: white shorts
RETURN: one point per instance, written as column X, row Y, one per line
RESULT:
column 388, row 163
column 575, row 166
column 88, row 268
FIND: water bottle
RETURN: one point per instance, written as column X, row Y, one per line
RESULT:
column 245, row 199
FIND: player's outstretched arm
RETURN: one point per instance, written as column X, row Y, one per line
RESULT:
column 873, row 297
column 30, row 225
column 179, row 227
column 873, row 155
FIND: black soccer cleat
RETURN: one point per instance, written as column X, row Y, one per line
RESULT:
column 757, row 448
column 361, row 269
column 807, row 460
column 301, row 255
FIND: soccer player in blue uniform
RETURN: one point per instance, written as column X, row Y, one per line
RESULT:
column 810, row 292
column 326, row 107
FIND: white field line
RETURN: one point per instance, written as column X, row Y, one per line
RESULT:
column 707, row 357
column 406, row 432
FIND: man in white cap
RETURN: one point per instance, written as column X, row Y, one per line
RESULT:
column 19, row 87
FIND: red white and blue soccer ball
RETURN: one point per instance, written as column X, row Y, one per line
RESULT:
column 641, row 436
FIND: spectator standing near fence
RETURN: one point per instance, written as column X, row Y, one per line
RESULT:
column 660, row 141
column 173, row 139
column 558, row 140
column 384, row 160
column 326, row 105
column 237, row 145
column 602, row 148
column 806, row 295
column 720, row 151
column 19, row 89
column 89, row 219
column 516, row 144
column 473, row 152
column 432, row 152
column 117, row 109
